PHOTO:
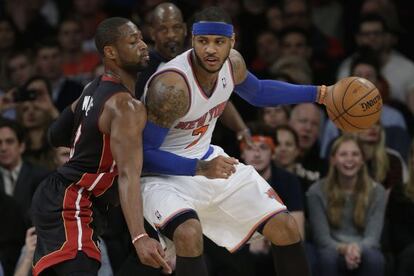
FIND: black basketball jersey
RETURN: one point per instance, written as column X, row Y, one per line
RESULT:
column 91, row 164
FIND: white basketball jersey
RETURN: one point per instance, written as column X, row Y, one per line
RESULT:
column 190, row 135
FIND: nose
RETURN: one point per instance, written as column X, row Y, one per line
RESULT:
column 170, row 33
column 210, row 49
column 143, row 45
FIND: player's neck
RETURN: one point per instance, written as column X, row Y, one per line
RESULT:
column 207, row 80
column 127, row 79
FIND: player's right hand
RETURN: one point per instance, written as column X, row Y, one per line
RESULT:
column 150, row 253
column 218, row 167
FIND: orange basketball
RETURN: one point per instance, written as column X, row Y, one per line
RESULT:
column 354, row 104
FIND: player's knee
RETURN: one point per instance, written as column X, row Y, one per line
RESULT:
column 188, row 238
column 282, row 230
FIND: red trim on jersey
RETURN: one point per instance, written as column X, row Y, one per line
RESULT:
column 106, row 77
column 231, row 72
column 181, row 73
column 203, row 93
column 254, row 228
column 106, row 159
column 69, row 248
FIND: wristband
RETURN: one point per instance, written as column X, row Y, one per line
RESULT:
column 322, row 94
column 137, row 237
column 241, row 132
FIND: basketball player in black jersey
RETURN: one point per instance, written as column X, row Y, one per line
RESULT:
column 103, row 128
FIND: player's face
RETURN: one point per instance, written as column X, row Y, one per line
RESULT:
column 212, row 51
column 348, row 159
column 259, row 156
column 169, row 36
column 286, row 150
column 132, row 50
column 10, row 148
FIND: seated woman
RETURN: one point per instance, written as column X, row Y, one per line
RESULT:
column 385, row 165
column 401, row 217
column 346, row 211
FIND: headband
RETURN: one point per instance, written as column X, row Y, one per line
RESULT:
column 261, row 139
column 212, row 28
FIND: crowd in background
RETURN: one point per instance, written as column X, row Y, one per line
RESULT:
column 352, row 196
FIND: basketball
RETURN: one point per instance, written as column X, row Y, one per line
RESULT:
column 354, row 104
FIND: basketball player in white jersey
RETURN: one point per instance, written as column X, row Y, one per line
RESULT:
column 192, row 187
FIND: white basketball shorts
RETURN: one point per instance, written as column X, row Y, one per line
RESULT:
column 230, row 210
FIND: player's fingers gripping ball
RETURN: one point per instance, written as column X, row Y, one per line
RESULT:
column 354, row 104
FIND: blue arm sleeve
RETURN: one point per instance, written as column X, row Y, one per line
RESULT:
column 163, row 162
column 264, row 93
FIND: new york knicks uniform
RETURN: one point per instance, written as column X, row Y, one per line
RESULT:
column 64, row 204
column 230, row 210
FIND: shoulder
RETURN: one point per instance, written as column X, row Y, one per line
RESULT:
column 239, row 66
column 123, row 104
column 316, row 189
column 378, row 190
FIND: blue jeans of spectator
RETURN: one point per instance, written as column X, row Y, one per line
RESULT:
column 333, row 264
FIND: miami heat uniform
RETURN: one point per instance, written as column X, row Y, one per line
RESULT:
column 64, row 204
column 230, row 210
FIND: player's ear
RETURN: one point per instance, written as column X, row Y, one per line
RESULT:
column 192, row 40
column 233, row 40
column 110, row 52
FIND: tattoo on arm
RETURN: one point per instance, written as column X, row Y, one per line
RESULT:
column 166, row 101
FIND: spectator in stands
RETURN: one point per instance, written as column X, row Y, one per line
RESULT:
column 35, row 115
column 384, row 165
column 267, row 53
column 77, row 63
column 327, row 51
column 401, row 217
column 274, row 16
column 19, row 67
column 397, row 69
column 275, row 116
column 24, row 264
column 48, row 60
column 61, row 156
column 306, row 120
column 346, row 214
column 8, row 35
column 18, row 178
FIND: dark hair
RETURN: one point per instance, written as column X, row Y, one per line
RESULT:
column 260, row 128
column 15, row 127
column 213, row 14
column 294, row 30
column 46, row 43
column 372, row 17
column 108, row 32
column 368, row 56
column 288, row 129
column 38, row 78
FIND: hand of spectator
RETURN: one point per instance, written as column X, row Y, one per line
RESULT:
column 6, row 101
column 31, row 239
column 261, row 246
column 218, row 167
column 245, row 136
column 151, row 253
column 44, row 102
column 352, row 256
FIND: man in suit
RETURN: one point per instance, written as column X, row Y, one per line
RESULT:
column 18, row 178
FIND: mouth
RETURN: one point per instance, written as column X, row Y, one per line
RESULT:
column 212, row 61
column 172, row 46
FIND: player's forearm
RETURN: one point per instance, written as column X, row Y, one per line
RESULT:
column 131, row 203
column 171, row 163
column 264, row 93
column 231, row 118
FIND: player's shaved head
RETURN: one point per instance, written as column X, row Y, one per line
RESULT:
column 166, row 11
column 108, row 32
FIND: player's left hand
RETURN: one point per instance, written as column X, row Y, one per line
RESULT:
column 245, row 136
column 150, row 253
